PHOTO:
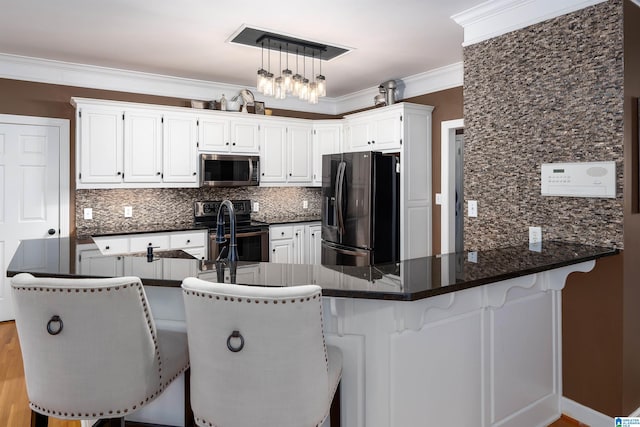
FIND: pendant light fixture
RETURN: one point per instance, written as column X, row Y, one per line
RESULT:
column 307, row 88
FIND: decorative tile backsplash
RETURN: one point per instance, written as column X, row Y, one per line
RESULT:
column 173, row 206
column 551, row 92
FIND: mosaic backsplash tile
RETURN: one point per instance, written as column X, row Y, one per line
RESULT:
column 551, row 92
column 174, row 206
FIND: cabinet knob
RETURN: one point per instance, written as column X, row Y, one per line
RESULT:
column 296, row 234
column 289, row 174
column 234, row 143
column 51, row 231
column 227, row 143
column 150, row 244
column 188, row 241
column 194, row 174
column 158, row 173
column 273, row 250
column 369, row 142
column 106, row 247
column 313, row 234
column 119, row 173
column 282, row 233
column 262, row 173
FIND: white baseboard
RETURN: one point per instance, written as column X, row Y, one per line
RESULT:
column 585, row 414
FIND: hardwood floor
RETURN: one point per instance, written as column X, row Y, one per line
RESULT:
column 14, row 406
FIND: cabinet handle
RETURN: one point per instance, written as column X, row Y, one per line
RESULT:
column 227, row 143
column 234, row 143
column 282, row 233
column 158, row 173
column 262, row 173
column 296, row 234
column 273, row 250
column 119, row 258
column 313, row 234
column 106, row 248
column 119, row 173
column 150, row 244
column 289, row 174
column 369, row 142
column 194, row 174
column 188, row 241
column 373, row 142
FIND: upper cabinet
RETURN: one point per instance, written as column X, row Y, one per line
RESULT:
column 327, row 139
column 286, row 152
column 219, row 134
column 123, row 145
column 374, row 130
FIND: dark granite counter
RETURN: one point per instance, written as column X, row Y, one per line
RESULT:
column 136, row 228
column 406, row 281
column 285, row 219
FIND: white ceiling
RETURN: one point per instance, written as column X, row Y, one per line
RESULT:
column 188, row 38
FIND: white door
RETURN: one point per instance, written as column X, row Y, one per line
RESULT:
column 30, row 183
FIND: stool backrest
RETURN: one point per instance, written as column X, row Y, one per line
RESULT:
column 99, row 357
column 273, row 371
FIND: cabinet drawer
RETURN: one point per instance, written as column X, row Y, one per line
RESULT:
column 157, row 241
column 281, row 232
column 112, row 245
column 187, row 239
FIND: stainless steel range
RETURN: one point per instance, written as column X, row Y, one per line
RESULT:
column 252, row 236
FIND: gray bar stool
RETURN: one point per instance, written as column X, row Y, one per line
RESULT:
column 91, row 349
column 258, row 356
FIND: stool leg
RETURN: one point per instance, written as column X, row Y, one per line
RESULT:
column 189, row 420
column 39, row 420
column 334, row 412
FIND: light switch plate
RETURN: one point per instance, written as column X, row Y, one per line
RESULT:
column 535, row 235
column 256, row 206
column 88, row 213
column 305, row 204
column 128, row 211
column 438, row 198
column 472, row 206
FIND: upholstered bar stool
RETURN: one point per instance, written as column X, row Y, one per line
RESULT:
column 258, row 356
column 91, row 348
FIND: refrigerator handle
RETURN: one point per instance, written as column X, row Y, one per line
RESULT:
column 339, row 189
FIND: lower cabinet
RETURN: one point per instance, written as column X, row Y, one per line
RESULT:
column 297, row 243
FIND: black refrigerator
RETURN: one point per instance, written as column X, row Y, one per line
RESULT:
column 360, row 208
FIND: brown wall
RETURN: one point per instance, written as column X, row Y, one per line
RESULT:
column 631, row 290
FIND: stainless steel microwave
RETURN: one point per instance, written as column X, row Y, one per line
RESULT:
column 225, row 170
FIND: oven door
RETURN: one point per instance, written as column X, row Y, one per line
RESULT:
column 252, row 245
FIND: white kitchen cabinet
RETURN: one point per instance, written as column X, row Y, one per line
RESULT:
column 273, row 153
column 142, row 146
column 374, row 130
column 91, row 262
column 180, row 146
column 213, row 134
column 314, row 239
column 327, row 139
column 292, row 244
column 140, row 267
column 219, row 133
column 127, row 145
column 285, row 153
column 193, row 242
column 100, row 153
column 244, row 135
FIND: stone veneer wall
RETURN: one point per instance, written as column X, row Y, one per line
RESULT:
column 551, row 92
column 171, row 206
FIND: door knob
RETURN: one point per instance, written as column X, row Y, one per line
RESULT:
column 51, row 232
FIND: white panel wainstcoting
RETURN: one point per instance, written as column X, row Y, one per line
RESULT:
column 585, row 179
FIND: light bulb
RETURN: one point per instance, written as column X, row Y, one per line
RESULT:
column 322, row 85
column 313, row 93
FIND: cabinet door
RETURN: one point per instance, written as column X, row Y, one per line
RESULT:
column 359, row 138
column 213, row 134
column 315, row 249
column 299, row 245
column 142, row 146
column 387, row 132
column 244, row 136
column 273, row 153
column 281, row 251
column 93, row 263
column 326, row 140
column 101, row 145
column 300, row 153
column 180, row 149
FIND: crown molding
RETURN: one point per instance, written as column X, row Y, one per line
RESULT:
column 70, row 74
column 419, row 84
column 496, row 17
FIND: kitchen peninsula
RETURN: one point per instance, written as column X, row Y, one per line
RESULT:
column 472, row 337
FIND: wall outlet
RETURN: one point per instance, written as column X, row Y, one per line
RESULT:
column 472, row 206
column 88, row 213
column 535, row 235
column 256, row 206
column 128, row 211
column 438, row 198
column 305, row 204
column 472, row 256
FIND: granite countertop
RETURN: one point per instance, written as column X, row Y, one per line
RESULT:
column 407, row 280
column 285, row 219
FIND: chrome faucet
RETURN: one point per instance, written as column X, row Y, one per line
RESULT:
column 229, row 253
